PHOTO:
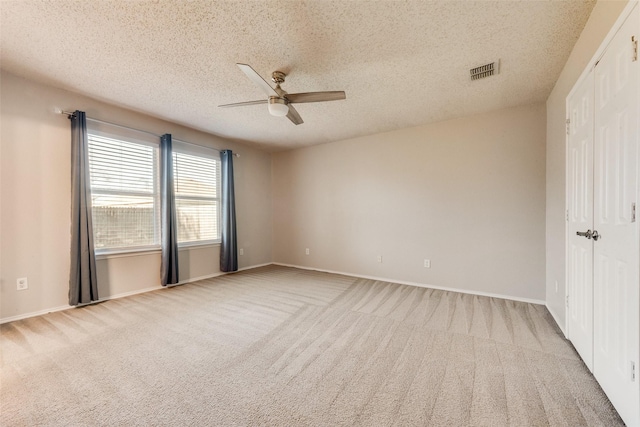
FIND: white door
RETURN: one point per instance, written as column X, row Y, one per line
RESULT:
column 580, row 217
column 616, row 253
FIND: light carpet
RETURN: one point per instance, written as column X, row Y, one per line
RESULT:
column 280, row 346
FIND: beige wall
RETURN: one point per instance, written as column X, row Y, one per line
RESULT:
column 602, row 18
column 35, row 194
column 468, row 194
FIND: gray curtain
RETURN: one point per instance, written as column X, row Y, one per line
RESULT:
column 83, row 282
column 228, row 241
column 169, row 230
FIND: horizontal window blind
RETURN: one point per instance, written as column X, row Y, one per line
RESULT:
column 124, row 192
column 121, row 166
column 124, row 168
column 195, row 176
column 196, row 181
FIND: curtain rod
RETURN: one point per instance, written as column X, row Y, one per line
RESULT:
column 70, row 114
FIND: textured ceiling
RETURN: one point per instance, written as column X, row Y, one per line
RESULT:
column 401, row 64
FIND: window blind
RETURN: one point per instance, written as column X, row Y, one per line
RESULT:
column 124, row 192
column 196, row 180
column 124, row 171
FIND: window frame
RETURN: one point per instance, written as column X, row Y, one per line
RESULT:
column 129, row 135
column 183, row 147
column 111, row 131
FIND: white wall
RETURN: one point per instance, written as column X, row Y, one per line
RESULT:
column 468, row 194
column 35, row 193
column 602, row 17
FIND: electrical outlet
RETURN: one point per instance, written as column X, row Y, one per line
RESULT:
column 427, row 263
column 306, row 251
column 22, row 284
column 241, row 251
column 380, row 258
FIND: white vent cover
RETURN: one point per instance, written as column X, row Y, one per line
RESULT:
column 484, row 70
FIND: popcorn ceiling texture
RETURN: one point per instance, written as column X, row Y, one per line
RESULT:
column 401, row 64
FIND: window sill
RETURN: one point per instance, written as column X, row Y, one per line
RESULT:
column 127, row 253
column 196, row 245
column 150, row 251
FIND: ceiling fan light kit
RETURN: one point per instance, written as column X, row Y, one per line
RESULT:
column 278, row 107
column 279, row 101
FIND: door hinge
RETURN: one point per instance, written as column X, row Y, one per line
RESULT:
column 633, row 212
column 567, row 301
column 568, row 125
column 634, row 44
column 633, row 370
column 566, row 215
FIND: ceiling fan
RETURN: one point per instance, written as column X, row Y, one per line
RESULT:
column 279, row 102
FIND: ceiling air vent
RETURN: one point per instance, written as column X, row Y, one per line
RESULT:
column 484, row 71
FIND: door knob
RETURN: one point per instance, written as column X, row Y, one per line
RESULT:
column 586, row 234
column 595, row 235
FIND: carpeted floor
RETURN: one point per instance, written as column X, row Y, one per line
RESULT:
column 285, row 347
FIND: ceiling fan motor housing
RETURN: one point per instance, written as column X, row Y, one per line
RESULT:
column 278, row 77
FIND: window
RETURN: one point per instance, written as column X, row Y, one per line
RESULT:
column 196, row 172
column 123, row 166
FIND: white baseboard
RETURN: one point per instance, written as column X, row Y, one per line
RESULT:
column 34, row 314
column 560, row 324
column 209, row 276
column 120, row 295
column 420, row 285
column 67, row 307
column 255, row 266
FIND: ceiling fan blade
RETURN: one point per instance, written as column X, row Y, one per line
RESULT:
column 240, row 104
column 255, row 77
column 294, row 116
column 316, row 96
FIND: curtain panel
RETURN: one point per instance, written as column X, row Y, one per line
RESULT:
column 168, row 222
column 83, row 282
column 228, row 240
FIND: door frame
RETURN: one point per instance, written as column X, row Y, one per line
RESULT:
column 588, row 68
column 624, row 15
